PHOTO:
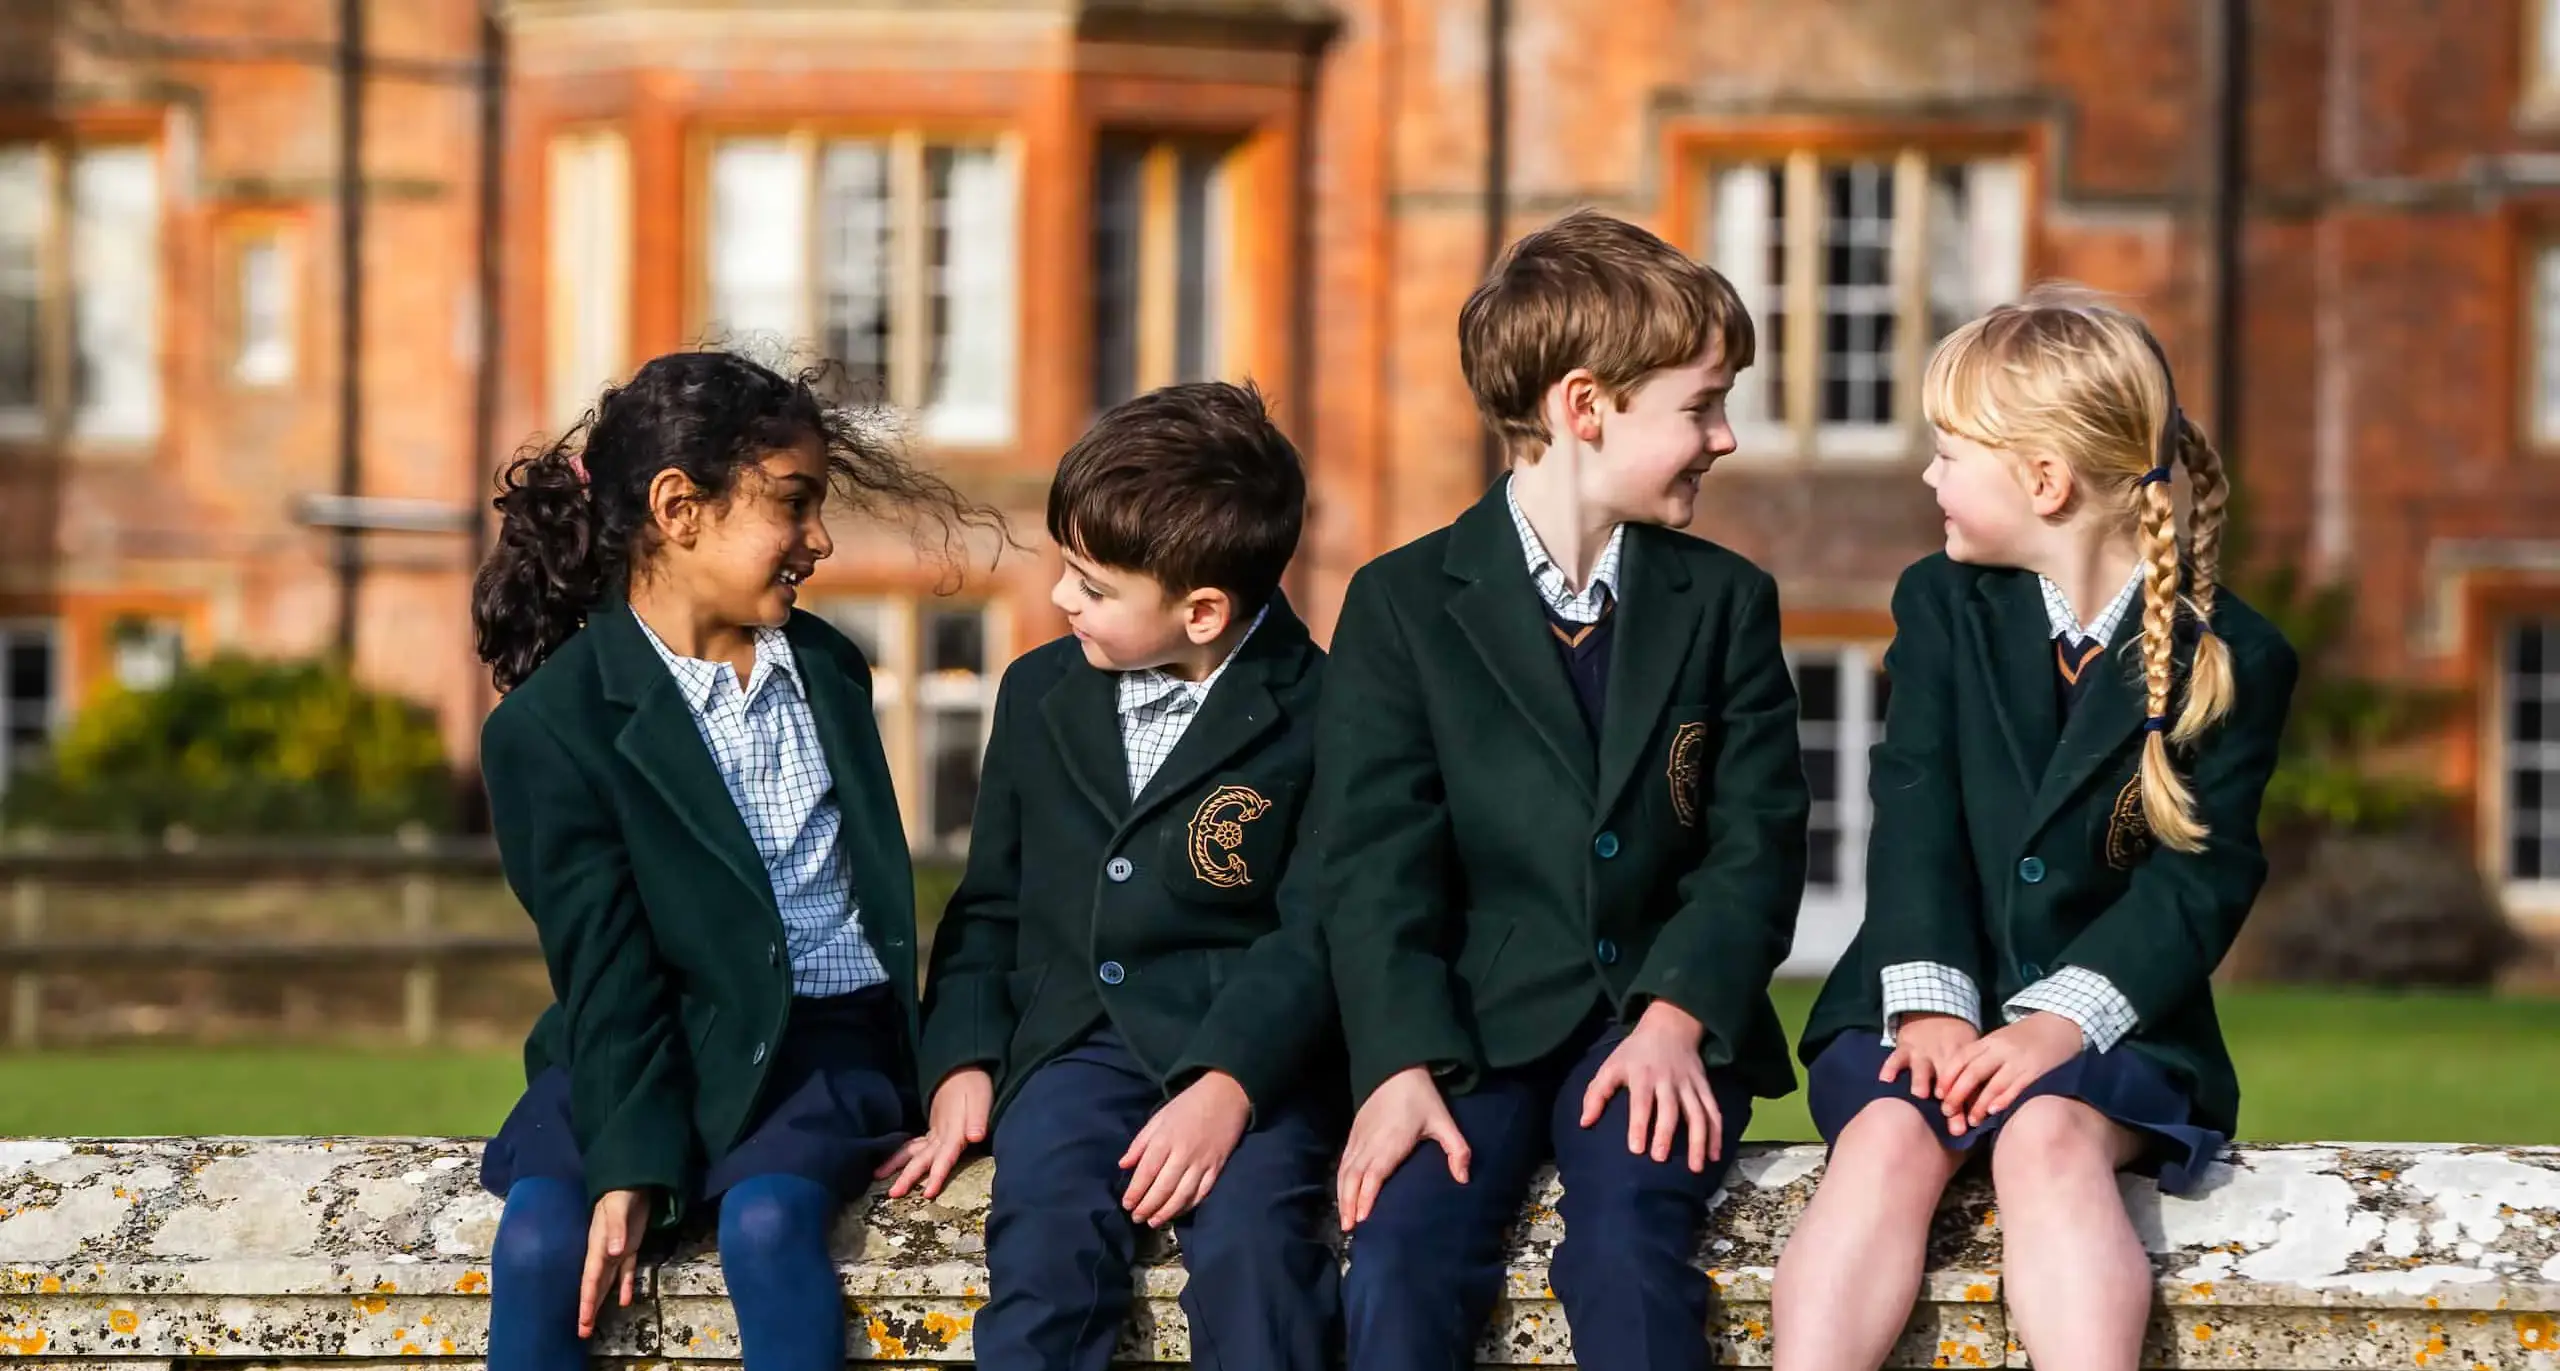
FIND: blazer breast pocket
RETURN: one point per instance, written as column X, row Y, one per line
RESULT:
column 2122, row 835
column 1226, row 842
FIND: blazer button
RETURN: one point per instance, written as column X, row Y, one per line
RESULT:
column 757, row 1057
column 772, row 954
column 1606, row 845
column 1119, row 868
column 2031, row 870
column 1608, row 952
column 1113, row 973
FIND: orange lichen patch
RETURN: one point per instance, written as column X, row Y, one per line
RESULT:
column 889, row 1348
column 1977, row 1293
column 371, row 1304
column 945, row 1327
column 385, row 1288
column 25, row 1344
column 2538, row 1332
column 2204, row 1332
column 2385, row 1175
column 2434, row 1303
column 444, row 1347
column 123, row 1320
column 50, row 1285
column 409, row 1349
column 1754, row 1329
column 472, row 1283
column 2201, row 1290
column 1990, row 1217
column 2435, row 1346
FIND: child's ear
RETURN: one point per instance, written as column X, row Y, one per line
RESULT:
column 1573, row 406
column 1206, row 613
column 675, row 506
column 2049, row 484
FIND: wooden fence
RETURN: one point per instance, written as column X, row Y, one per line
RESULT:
column 31, row 869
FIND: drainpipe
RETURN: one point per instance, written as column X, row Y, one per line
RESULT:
column 484, row 395
column 350, row 545
column 1497, row 169
column 2227, row 58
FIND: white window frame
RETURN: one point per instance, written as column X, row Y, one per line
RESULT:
column 12, row 631
column 78, row 292
column 981, row 411
column 265, row 342
column 906, row 702
column 1830, row 915
column 2538, row 61
column 2540, row 308
column 1929, row 278
column 2539, row 895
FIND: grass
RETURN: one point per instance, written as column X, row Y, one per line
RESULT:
column 2313, row 1065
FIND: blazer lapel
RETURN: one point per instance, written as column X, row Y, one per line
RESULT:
column 1498, row 612
column 849, row 736
column 2108, row 716
column 1657, row 617
column 1239, row 710
column 1083, row 710
column 2013, row 649
column 663, row 744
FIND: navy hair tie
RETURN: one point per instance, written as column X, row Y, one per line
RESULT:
column 2156, row 475
column 2157, row 723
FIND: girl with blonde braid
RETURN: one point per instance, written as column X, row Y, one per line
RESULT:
column 2080, row 727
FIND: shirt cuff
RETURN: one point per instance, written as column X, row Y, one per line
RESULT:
column 1928, row 988
column 2084, row 997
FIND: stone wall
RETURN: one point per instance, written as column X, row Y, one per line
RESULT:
column 143, row 1253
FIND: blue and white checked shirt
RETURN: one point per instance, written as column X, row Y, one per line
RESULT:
column 2076, row 993
column 765, row 743
column 1583, row 606
column 1157, row 707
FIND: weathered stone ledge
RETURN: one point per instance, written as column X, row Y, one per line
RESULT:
column 139, row 1253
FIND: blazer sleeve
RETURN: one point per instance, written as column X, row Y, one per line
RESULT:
column 1383, row 825
column 2160, row 943
column 1277, row 1005
column 631, row 1079
column 1737, row 913
column 968, row 1010
column 1924, row 899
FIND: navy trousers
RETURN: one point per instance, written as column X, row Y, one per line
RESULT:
column 1426, row 1268
column 1264, row 1285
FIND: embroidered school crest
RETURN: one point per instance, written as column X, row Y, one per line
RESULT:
column 2128, row 831
column 1217, row 835
column 1687, row 741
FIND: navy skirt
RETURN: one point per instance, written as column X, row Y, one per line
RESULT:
column 836, row 1103
column 2124, row 1085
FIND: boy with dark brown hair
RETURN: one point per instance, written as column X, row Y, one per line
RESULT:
column 1129, row 983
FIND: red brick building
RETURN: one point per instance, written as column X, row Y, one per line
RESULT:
column 1006, row 213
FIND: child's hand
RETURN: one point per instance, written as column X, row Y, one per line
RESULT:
column 1930, row 1045
column 960, row 1106
column 1666, row 1086
column 2004, row 1062
column 1405, row 1109
column 613, row 1252
column 1177, row 1156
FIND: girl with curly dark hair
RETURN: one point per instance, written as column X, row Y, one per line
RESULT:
column 691, row 800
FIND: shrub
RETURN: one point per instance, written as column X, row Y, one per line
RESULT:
column 239, row 745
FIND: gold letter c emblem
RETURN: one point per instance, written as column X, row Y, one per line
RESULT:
column 1217, row 834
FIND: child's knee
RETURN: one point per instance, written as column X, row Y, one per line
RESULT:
column 774, row 1218
column 1888, row 1136
column 2052, row 1138
column 542, row 1236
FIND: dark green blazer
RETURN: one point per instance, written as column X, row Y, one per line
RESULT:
column 1180, row 919
column 1492, row 878
column 654, row 911
column 2009, row 847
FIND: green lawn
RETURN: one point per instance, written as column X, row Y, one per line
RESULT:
column 2313, row 1064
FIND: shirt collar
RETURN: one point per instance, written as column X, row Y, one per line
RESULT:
column 699, row 680
column 1141, row 690
column 2101, row 630
column 1550, row 578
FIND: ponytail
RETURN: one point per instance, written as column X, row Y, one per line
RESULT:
column 545, row 573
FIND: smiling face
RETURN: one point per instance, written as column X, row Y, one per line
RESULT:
column 1989, row 512
column 746, row 557
column 1651, row 452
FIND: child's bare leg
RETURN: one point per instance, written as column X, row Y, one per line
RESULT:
column 2078, row 1283
column 1850, row 1271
